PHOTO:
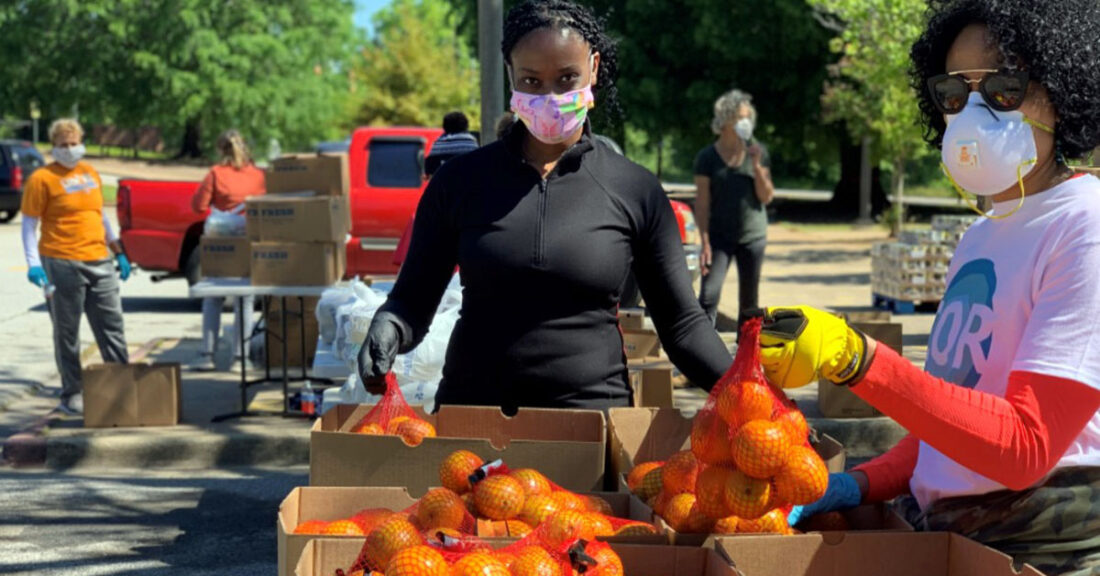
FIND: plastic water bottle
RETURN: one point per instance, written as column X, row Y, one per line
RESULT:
column 309, row 399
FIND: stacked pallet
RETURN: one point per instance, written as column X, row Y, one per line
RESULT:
column 913, row 270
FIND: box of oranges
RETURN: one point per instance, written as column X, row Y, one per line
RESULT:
column 568, row 446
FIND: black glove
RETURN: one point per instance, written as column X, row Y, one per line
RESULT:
column 379, row 351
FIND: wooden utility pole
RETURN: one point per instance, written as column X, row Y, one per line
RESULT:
column 490, row 32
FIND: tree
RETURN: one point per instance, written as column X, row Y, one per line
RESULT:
column 417, row 68
column 869, row 90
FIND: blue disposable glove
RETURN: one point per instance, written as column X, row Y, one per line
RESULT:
column 37, row 276
column 843, row 493
column 124, row 267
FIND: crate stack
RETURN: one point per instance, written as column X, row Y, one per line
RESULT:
column 913, row 270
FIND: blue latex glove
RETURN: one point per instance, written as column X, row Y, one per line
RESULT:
column 124, row 267
column 843, row 493
column 37, row 276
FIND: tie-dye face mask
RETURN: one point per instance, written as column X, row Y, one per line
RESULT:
column 553, row 118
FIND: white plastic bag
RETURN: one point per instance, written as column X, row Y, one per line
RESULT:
column 352, row 392
column 231, row 223
column 331, row 300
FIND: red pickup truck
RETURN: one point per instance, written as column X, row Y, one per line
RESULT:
column 161, row 232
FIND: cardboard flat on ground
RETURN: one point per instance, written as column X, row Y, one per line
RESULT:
column 297, row 218
column 323, row 557
column 839, row 401
column 326, row 175
column 126, row 395
column 225, row 257
column 638, row 435
column 568, row 446
column 855, row 554
column 297, row 263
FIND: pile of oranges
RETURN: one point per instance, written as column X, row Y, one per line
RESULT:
column 411, row 429
column 749, row 462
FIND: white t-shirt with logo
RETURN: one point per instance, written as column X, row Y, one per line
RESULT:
column 1023, row 294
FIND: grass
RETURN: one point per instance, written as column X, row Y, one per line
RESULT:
column 110, row 194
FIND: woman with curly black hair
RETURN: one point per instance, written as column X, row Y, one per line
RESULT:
column 545, row 225
column 1004, row 422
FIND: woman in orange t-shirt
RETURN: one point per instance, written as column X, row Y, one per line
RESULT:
column 224, row 191
column 73, row 259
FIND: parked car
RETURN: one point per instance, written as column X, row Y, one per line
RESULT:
column 18, row 159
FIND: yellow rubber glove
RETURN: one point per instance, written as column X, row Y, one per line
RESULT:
column 800, row 343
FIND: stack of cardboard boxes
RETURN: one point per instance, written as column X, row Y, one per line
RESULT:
column 652, row 376
column 914, row 269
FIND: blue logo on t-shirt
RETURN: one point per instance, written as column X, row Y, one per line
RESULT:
column 962, row 334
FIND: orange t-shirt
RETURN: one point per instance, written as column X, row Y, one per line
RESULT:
column 69, row 205
column 227, row 187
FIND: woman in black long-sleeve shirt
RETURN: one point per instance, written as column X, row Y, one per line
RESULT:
column 545, row 225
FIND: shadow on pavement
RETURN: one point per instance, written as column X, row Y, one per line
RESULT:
column 860, row 279
column 164, row 305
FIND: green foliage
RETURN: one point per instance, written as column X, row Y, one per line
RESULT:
column 416, row 69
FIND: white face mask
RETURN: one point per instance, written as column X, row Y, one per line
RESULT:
column 69, row 156
column 744, row 128
column 986, row 152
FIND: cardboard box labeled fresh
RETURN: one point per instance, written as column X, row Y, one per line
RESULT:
column 325, row 175
column 839, row 401
column 568, row 446
column 323, row 557
column 295, row 319
column 855, row 554
column 298, row 218
column 225, row 257
column 131, row 395
column 638, row 435
column 297, row 263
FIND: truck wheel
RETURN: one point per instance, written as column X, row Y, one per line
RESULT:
column 631, row 297
column 8, row 215
column 191, row 269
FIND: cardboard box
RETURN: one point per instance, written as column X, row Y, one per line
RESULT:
column 298, row 218
column 273, row 337
column 839, row 401
column 855, row 554
column 632, row 319
column 225, row 257
column 568, row 446
column 641, row 344
column 653, row 387
column 324, row 556
column 324, row 175
column 638, row 435
column 131, row 395
column 297, row 263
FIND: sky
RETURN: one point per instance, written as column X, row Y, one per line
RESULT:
column 364, row 9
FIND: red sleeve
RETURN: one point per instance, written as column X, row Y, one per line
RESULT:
column 888, row 475
column 200, row 202
column 1015, row 440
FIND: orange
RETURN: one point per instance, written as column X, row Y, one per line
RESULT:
column 342, row 528
column 633, row 528
column 517, row 528
column 454, row 472
column 747, row 497
column 418, row 561
column 652, row 483
column 803, row 480
column 597, row 504
column 369, row 518
column 569, row 501
column 710, row 490
column 634, row 478
column 744, row 402
column 534, row 561
column 391, row 426
column 608, row 562
column 480, row 564
column 796, row 426
column 442, row 508
column 679, row 473
column 827, row 522
column 311, row 527
column 660, row 501
column 499, row 497
column 532, row 480
column 697, row 522
column 565, row 527
column 710, row 439
column 600, row 525
column 506, row 558
column 389, row 538
column 371, row 429
column 538, row 508
column 727, row 525
column 678, row 510
column 761, row 448
column 413, row 432
column 774, row 522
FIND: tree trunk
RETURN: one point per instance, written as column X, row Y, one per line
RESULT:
column 897, row 183
column 192, row 140
column 845, row 202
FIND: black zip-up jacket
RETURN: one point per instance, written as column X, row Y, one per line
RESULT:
column 542, row 267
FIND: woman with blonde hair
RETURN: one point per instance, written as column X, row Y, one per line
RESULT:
column 223, row 193
column 72, row 259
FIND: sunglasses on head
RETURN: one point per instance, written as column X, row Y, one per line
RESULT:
column 1004, row 90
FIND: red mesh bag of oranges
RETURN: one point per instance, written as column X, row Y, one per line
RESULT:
column 564, row 544
column 750, row 459
column 393, row 416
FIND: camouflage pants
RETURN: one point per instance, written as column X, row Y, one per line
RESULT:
column 1055, row 527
